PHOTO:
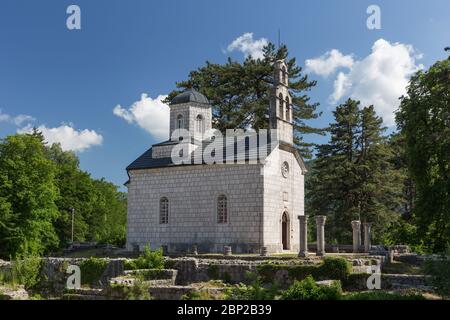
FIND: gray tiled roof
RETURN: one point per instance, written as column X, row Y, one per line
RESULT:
column 190, row 95
column 145, row 161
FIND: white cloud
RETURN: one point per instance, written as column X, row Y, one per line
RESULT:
column 248, row 46
column 328, row 63
column 17, row 120
column 150, row 114
column 379, row 79
column 69, row 138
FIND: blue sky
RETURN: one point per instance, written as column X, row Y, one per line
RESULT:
column 70, row 81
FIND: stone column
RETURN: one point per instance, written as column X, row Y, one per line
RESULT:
column 356, row 226
column 367, row 235
column 303, row 236
column 320, row 224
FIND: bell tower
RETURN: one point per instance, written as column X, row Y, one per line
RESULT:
column 281, row 104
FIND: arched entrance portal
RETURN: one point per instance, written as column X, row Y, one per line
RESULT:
column 285, row 231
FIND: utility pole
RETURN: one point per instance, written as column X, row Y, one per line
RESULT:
column 73, row 215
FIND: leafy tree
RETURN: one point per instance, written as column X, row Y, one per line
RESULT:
column 352, row 177
column 240, row 93
column 27, row 197
column 424, row 120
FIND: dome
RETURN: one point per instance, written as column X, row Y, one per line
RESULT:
column 190, row 95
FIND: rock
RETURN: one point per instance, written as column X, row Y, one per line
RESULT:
column 13, row 293
column 326, row 283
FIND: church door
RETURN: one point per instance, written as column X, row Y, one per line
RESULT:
column 285, row 231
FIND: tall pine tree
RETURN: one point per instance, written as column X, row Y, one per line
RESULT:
column 352, row 177
column 240, row 93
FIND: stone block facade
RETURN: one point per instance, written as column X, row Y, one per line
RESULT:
column 257, row 197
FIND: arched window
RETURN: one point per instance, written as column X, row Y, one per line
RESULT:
column 281, row 102
column 199, row 124
column 283, row 74
column 288, row 109
column 180, row 122
column 222, row 209
column 164, row 210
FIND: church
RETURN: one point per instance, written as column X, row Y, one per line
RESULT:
column 249, row 201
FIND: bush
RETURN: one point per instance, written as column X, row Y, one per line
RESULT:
column 138, row 291
column 382, row 295
column 330, row 269
column 439, row 272
column 91, row 270
column 147, row 260
column 308, row 289
column 24, row 271
column 335, row 268
column 254, row 291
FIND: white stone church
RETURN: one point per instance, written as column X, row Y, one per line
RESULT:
column 248, row 203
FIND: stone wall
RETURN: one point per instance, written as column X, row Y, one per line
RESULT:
column 192, row 192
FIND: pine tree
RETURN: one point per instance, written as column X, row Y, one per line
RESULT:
column 240, row 93
column 353, row 177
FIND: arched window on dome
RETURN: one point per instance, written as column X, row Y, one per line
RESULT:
column 283, row 74
column 199, row 124
column 222, row 209
column 180, row 122
column 281, row 105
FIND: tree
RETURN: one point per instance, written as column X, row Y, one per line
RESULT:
column 240, row 93
column 27, row 197
column 424, row 120
column 352, row 177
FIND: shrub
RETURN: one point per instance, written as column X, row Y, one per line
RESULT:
column 138, row 291
column 254, row 291
column 335, row 268
column 439, row 272
column 148, row 259
column 382, row 295
column 24, row 271
column 91, row 270
column 308, row 289
column 331, row 268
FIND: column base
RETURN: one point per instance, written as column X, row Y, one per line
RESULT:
column 320, row 254
column 303, row 254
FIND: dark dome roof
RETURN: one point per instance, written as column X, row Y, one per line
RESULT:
column 190, row 95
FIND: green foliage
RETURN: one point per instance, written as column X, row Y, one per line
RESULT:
column 253, row 291
column 27, row 197
column 331, row 268
column 352, row 177
column 198, row 295
column 308, row 289
column 38, row 186
column 138, row 291
column 240, row 93
column 381, row 295
column 24, row 271
column 439, row 272
column 335, row 268
column 423, row 120
column 148, row 259
column 92, row 270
